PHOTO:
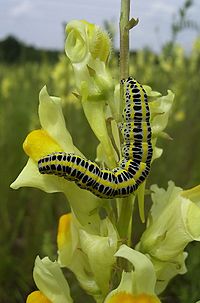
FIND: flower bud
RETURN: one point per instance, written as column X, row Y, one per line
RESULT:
column 84, row 39
column 88, row 48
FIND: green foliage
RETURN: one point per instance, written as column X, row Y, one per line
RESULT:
column 29, row 217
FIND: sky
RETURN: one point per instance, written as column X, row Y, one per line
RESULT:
column 40, row 22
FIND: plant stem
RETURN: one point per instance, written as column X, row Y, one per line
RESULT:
column 125, row 206
column 124, row 39
column 125, row 212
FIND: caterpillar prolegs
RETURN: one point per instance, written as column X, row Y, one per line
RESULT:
column 137, row 151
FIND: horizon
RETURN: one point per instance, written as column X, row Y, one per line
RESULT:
column 40, row 23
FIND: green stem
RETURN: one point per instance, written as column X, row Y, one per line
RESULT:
column 125, row 206
column 125, row 211
column 125, row 26
column 124, row 39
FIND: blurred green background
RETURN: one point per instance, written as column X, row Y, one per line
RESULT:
column 29, row 217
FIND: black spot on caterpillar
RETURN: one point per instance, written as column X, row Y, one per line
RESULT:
column 137, row 151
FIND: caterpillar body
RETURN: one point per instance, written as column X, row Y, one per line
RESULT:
column 137, row 151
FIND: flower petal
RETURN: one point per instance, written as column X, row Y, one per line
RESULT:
column 38, row 144
column 84, row 204
column 37, row 297
column 67, row 239
column 136, row 286
column 50, row 280
column 100, row 251
column 160, row 110
column 81, row 268
column 95, row 113
column 84, row 37
column 193, row 194
column 144, row 277
column 52, row 120
column 165, row 271
column 174, row 221
column 30, row 177
column 77, row 45
column 151, row 93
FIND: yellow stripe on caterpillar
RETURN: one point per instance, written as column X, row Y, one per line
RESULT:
column 137, row 151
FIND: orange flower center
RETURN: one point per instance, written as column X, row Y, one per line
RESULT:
column 37, row 297
column 64, row 230
column 124, row 297
column 38, row 144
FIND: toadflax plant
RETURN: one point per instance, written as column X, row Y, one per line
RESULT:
column 97, row 247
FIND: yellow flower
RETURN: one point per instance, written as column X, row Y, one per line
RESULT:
column 173, row 222
column 88, row 49
column 87, row 255
column 54, row 136
column 138, row 285
column 85, row 38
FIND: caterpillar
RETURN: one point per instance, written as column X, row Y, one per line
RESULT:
column 137, row 151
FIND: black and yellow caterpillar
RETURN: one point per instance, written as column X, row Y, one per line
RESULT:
column 137, row 151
